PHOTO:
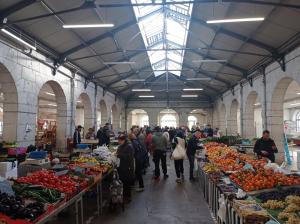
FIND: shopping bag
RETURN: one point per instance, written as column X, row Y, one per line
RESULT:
column 178, row 153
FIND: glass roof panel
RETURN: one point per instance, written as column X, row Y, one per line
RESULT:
column 164, row 27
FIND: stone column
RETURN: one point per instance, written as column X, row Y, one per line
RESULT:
column 153, row 116
column 183, row 117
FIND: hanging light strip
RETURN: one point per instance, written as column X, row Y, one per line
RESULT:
column 18, row 38
column 237, row 20
column 78, row 26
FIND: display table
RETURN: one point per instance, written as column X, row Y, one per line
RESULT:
column 78, row 201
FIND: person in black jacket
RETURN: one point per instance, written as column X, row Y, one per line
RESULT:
column 265, row 147
column 140, row 154
column 77, row 136
column 125, row 153
column 193, row 145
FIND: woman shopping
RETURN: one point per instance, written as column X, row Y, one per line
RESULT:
column 126, row 168
column 178, row 155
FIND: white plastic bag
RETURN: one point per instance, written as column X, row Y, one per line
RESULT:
column 222, row 208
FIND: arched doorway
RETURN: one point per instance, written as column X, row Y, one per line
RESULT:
column 137, row 117
column 115, row 118
column 253, row 123
column 198, row 117
column 84, row 113
column 192, row 121
column 8, row 106
column 222, row 120
column 234, row 126
column 169, row 118
column 285, row 108
column 51, row 115
column 103, row 113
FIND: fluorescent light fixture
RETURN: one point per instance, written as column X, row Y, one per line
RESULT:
column 256, row 104
column 119, row 63
column 79, row 101
column 198, row 79
column 18, row 38
column 210, row 61
column 99, row 25
column 149, row 96
column 141, row 90
column 193, row 89
column 50, row 94
column 298, row 93
column 237, row 20
column 133, row 80
column 189, row 96
column 52, row 104
column 294, row 104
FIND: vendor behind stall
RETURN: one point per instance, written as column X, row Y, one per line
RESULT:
column 265, row 147
column 90, row 134
column 77, row 136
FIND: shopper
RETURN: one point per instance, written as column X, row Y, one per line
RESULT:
column 77, row 136
column 180, row 148
column 90, row 134
column 140, row 155
column 148, row 140
column 106, row 134
column 167, row 136
column 265, row 147
column 125, row 153
column 209, row 131
column 100, row 137
column 159, row 144
column 192, row 146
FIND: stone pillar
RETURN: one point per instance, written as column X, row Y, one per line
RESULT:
column 153, row 116
column 183, row 116
column 95, row 108
column 241, row 110
column 73, row 107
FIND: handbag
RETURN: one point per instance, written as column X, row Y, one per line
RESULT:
column 179, row 151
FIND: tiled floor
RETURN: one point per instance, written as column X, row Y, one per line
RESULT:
column 161, row 202
column 164, row 201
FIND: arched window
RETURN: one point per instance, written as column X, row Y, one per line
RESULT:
column 298, row 122
column 192, row 121
column 144, row 121
column 168, row 120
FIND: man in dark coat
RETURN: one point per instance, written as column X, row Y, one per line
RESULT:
column 193, row 145
column 77, row 136
column 265, row 147
column 126, row 168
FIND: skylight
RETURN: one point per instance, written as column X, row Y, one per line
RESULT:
column 164, row 27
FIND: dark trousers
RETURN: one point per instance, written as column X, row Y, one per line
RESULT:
column 179, row 167
column 126, row 189
column 192, row 163
column 159, row 155
column 139, row 167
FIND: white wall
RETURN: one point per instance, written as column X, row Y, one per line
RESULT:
column 29, row 75
column 277, row 82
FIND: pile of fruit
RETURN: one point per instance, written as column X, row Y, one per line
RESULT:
column 229, row 160
column 87, row 160
column 250, row 180
column 210, row 168
column 48, row 179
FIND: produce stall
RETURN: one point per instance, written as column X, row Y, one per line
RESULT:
column 239, row 188
column 42, row 194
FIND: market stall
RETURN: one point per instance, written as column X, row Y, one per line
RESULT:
column 39, row 196
column 240, row 188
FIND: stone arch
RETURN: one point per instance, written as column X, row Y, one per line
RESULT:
column 9, row 104
column 252, row 116
column 173, row 118
column 201, row 117
column 222, row 119
column 233, row 118
column 276, row 113
column 61, row 112
column 103, row 112
column 137, row 117
column 115, row 115
column 84, row 112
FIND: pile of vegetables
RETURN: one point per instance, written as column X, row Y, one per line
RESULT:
column 38, row 193
column 48, row 179
column 15, row 208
